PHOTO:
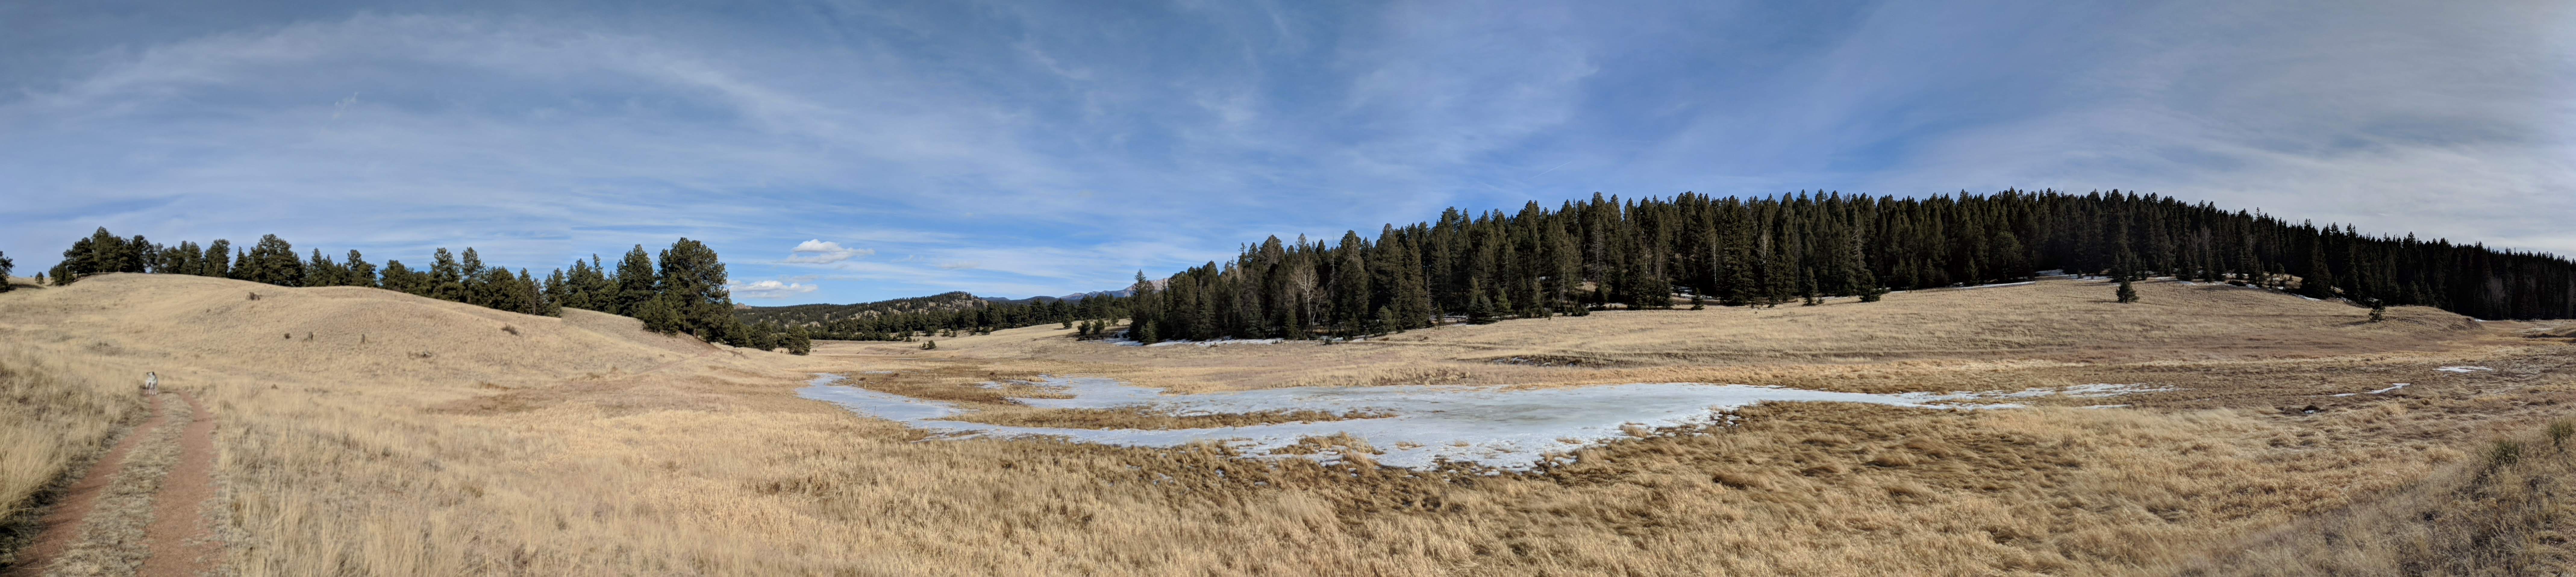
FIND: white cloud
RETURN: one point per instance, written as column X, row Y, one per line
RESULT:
column 768, row 289
column 824, row 252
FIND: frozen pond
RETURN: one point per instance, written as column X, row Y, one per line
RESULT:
column 1489, row 426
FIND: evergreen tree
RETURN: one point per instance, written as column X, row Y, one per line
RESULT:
column 477, row 280
column 2127, row 294
column 692, row 280
column 635, row 283
column 218, row 260
column 359, row 272
column 273, row 261
column 320, row 271
column 2378, row 310
column 1480, row 310
column 2319, row 282
column 446, row 277
column 403, row 279
column 5, row 266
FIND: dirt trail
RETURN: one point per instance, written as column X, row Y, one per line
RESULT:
column 62, row 525
column 181, row 542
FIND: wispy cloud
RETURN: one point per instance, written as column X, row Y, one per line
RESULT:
column 821, row 252
column 1037, row 149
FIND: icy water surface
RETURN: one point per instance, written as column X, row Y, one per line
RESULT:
column 1489, row 426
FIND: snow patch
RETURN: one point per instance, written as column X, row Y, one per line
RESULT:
column 1211, row 343
column 1513, row 429
column 2390, row 388
column 2463, row 369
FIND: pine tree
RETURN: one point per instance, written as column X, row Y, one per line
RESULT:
column 2378, row 310
column 446, row 277
column 692, row 278
column 218, row 260
column 403, row 279
column 1480, row 310
column 635, row 278
column 5, row 266
column 273, row 261
column 797, row 340
column 2127, row 294
column 2320, row 281
column 359, row 272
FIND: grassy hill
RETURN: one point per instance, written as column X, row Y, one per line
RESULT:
column 366, row 431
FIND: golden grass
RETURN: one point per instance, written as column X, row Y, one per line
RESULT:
column 586, row 446
column 2504, row 511
column 57, row 412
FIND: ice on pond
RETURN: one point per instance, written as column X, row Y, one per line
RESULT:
column 1490, row 426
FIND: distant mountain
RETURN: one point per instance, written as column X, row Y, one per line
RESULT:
column 826, row 313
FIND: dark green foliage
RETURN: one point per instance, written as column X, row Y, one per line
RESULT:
column 2126, row 294
column 2378, row 310
column 272, row 261
column 358, row 272
column 691, row 285
column 5, row 266
column 929, row 345
column 797, row 341
column 217, row 261
column 1767, row 251
column 892, row 320
column 403, row 279
column 635, row 278
column 446, row 277
column 2319, row 282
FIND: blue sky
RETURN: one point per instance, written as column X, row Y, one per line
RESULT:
column 851, row 151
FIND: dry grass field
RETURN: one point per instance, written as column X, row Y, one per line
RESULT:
column 360, row 431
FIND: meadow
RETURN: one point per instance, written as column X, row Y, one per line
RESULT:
column 361, row 431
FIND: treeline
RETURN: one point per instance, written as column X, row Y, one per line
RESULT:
column 683, row 293
column 1648, row 253
column 946, row 314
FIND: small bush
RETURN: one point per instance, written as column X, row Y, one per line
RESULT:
column 2504, row 453
column 929, row 345
column 2559, row 432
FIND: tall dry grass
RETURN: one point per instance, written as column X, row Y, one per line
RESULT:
column 57, row 411
column 584, row 446
column 2504, row 511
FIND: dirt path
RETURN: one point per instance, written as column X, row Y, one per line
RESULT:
column 181, row 542
column 62, row 525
